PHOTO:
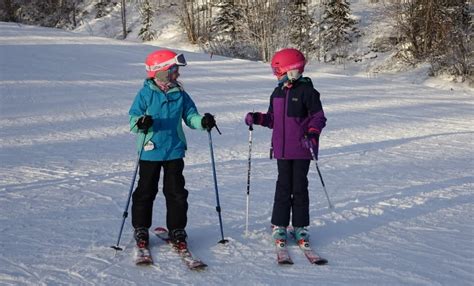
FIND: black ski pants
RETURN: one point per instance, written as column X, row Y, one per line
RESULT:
column 291, row 194
column 173, row 188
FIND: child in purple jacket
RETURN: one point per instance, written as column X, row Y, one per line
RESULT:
column 296, row 116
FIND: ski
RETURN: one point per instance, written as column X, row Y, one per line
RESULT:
column 309, row 253
column 142, row 256
column 283, row 256
column 191, row 261
column 312, row 257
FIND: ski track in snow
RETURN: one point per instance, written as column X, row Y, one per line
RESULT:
column 396, row 159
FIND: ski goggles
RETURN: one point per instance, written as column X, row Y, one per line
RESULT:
column 178, row 60
column 278, row 71
column 281, row 71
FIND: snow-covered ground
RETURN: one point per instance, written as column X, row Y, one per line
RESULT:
column 396, row 157
column 166, row 24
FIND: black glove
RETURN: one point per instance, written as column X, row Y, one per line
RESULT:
column 144, row 122
column 208, row 122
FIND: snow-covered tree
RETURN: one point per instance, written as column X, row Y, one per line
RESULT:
column 436, row 31
column 228, row 29
column 454, row 50
column 36, row 12
column 338, row 28
column 301, row 25
column 196, row 16
column 147, row 33
column 226, row 23
column 256, row 29
column 268, row 26
column 100, row 7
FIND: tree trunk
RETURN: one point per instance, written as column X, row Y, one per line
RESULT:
column 74, row 23
column 124, row 20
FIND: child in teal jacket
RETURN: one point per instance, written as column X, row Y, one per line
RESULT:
column 156, row 115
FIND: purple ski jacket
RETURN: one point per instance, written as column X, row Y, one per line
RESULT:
column 292, row 111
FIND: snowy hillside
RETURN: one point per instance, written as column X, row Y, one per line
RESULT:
column 372, row 54
column 169, row 32
column 396, row 157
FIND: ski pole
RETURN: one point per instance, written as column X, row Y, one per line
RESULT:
column 320, row 176
column 248, row 181
column 125, row 212
column 218, row 207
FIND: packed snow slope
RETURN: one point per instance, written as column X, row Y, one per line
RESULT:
column 397, row 160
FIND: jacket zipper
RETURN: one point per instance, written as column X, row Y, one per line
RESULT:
column 287, row 93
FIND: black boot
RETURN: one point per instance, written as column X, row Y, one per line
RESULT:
column 141, row 237
column 178, row 236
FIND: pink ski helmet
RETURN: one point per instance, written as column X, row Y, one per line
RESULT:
column 162, row 60
column 287, row 59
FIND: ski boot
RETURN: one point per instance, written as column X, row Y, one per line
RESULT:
column 279, row 235
column 142, row 253
column 302, row 236
column 141, row 237
column 178, row 238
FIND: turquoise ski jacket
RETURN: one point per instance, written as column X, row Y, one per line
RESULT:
column 168, row 110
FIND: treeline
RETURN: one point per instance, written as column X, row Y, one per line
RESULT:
column 434, row 31
column 256, row 29
column 438, row 31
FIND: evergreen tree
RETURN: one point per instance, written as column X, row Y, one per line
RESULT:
column 338, row 29
column 101, row 8
column 147, row 33
column 301, row 25
column 227, row 29
column 9, row 11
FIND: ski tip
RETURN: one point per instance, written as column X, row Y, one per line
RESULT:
column 199, row 267
column 285, row 262
column 321, row 261
column 144, row 263
column 160, row 229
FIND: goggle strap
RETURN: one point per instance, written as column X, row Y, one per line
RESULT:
column 178, row 60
